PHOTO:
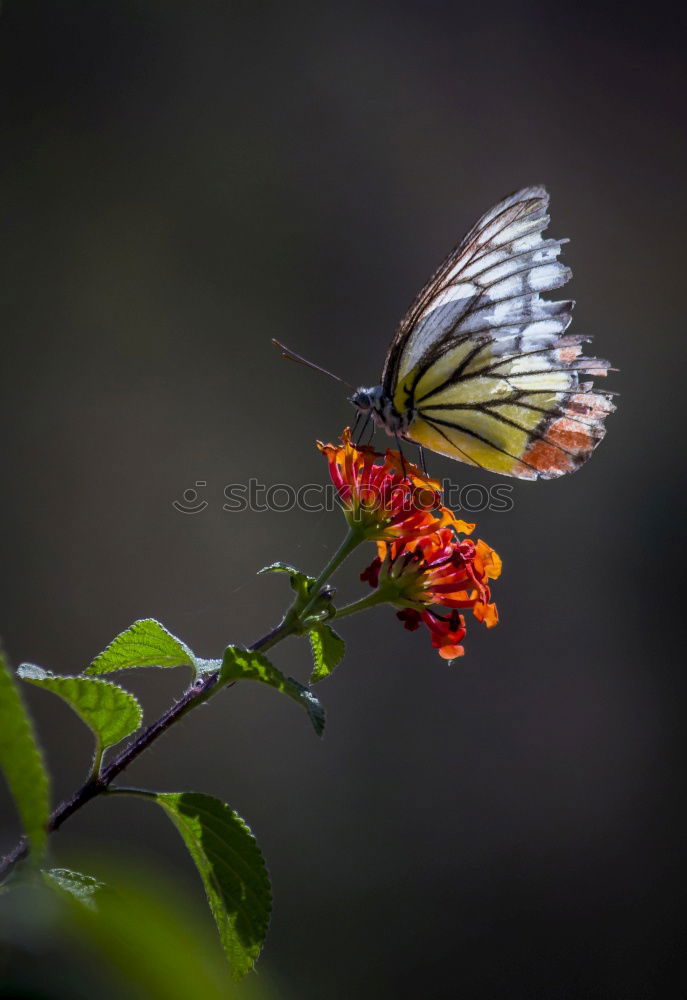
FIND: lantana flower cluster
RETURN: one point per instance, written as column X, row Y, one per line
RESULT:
column 424, row 566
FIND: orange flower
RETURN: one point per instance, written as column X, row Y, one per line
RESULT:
column 422, row 566
column 383, row 500
column 446, row 631
column 432, row 578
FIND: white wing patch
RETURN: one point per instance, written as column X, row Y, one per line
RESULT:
column 492, row 281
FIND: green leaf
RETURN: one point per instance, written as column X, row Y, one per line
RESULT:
column 328, row 649
column 110, row 711
column 204, row 666
column 146, row 643
column 281, row 567
column 22, row 762
column 244, row 664
column 300, row 582
column 84, row 888
column 232, row 869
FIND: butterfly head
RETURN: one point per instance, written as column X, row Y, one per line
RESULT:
column 364, row 400
column 374, row 402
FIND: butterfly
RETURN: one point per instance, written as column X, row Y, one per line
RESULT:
column 481, row 368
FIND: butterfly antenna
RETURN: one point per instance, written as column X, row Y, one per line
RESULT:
column 290, row 355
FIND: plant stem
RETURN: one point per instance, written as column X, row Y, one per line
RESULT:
column 142, row 793
column 281, row 631
column 96, row 784
column 97, row 760
column 203, row 688
column 378, row 597
column 350, row 542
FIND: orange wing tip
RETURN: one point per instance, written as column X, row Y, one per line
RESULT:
column 548, row 460
column 569, row 440
column 590, row 404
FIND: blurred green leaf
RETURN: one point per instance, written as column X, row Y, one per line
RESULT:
column 22, row 763
column 85, row 888
column 244, row 664
column 110, row 711
column 232, row 869
column 328, row 649
column 146, row 643
column 145, row 939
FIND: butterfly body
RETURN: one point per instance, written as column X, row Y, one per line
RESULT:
column 481, row 368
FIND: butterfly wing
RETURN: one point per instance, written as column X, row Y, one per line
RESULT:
column 483, row 362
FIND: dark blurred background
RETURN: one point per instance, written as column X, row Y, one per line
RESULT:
column 178, row 184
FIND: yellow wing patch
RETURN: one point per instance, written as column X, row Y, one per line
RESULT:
column 463, row 446
column 523, row 415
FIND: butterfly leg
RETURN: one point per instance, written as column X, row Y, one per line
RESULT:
column 400, row 451
column 423, row 464
column 362, row 430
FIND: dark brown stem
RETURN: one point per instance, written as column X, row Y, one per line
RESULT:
column 194, row 695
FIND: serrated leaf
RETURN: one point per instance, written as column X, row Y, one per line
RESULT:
column 328, row 650
column 244, row 664
column 281, row 567
column 146, row 643
column 204, row 666
column 110, row 711
column 232, row 869
column 300, row 582
column 84, row 888
column 22, row 763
